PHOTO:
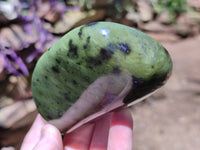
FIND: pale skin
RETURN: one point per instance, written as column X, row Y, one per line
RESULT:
column 113, row 131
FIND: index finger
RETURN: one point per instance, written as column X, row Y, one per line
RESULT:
column 120, row 133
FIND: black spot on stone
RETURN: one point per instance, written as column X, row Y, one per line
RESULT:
column 79, row 63
column 49, row 117
column 59, row 113
column 124, row 47
column 166, row 51
column 37, row 102
column 116, row 70
column 137, row 82
column 87, row 78
column 90, row 67
column 55, row 69
column 35, row 98
column 87, row 42
column 88, row 39
column 143, row 87
column 46, row 77
column 105, row 54
column 80, row 32
column 66, row 96
column 72, row 50
column 94, row 61
column 74, row 82
column 97, row 62
column 58, row 61
column 91, row 24
column 85, row 46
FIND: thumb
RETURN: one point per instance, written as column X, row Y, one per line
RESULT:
column 50, row 139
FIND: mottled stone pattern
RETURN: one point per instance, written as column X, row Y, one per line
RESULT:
column 89, row 52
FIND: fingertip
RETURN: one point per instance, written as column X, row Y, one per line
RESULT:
column 49, row 129
column 80, row 138
column 33, row 135
column 122, row 117
column 120, row 133
column 99, row 139
column 50, row 138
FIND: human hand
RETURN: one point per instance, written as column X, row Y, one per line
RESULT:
column 42, row 136
column 112, row 131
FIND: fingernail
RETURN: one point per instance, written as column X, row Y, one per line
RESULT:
column 122, row 117
column 48, row 130
column 69, row 148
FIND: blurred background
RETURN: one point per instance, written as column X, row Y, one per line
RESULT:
column 169, row 119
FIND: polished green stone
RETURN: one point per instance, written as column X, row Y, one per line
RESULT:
column 90, row 51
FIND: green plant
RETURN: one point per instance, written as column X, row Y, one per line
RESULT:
column 173, row 7
column 115, row 8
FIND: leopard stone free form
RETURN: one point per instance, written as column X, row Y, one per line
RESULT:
column 95, row 68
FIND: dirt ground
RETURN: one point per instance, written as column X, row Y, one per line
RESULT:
column 170, row 119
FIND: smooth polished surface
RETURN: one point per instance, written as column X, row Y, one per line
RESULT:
column 96, row 68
